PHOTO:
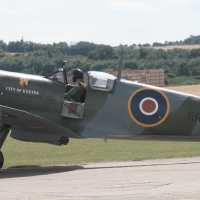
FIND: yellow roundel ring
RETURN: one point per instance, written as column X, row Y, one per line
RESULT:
column 148, row 107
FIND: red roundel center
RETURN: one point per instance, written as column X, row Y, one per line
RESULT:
column 148, row 106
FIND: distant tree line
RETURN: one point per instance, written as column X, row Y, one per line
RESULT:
column 41, row 59
column 81, row 48
column 189, row 41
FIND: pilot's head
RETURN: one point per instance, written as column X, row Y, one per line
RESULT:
column 77, row 74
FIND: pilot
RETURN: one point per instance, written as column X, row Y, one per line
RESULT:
column 77, row 93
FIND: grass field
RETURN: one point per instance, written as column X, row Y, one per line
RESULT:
column 196, row 46
column 20, row 154
column 184, row 80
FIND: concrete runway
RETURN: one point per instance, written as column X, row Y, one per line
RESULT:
column 151, row 179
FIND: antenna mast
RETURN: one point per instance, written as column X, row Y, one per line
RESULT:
column 120, row 65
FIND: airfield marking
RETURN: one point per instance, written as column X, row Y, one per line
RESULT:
column 148, row 107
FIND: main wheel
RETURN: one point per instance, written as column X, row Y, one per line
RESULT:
column 1, row 159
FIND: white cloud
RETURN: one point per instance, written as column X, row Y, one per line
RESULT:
column 179, row 1
column 4, row 10
column 126, row 5
column 28, row 9
column 182, row 2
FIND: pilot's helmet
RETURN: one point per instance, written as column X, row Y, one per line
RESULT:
column 77, row 73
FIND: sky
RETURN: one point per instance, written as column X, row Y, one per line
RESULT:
column 110, row 22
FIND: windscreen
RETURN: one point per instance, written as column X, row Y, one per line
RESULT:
column 57, row 76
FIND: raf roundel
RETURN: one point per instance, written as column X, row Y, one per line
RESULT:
column 148, row 107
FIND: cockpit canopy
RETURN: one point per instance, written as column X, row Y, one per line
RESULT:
column 101, row 81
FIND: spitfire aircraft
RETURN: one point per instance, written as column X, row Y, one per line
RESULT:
column 33, row 108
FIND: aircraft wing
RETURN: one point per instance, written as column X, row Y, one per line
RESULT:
column 26, row 123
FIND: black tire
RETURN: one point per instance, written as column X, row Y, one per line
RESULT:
column 1, row 160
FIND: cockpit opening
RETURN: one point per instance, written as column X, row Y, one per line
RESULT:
column 74, row 97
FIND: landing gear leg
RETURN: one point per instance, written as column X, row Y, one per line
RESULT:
column 1, row 159
column 5, row 129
